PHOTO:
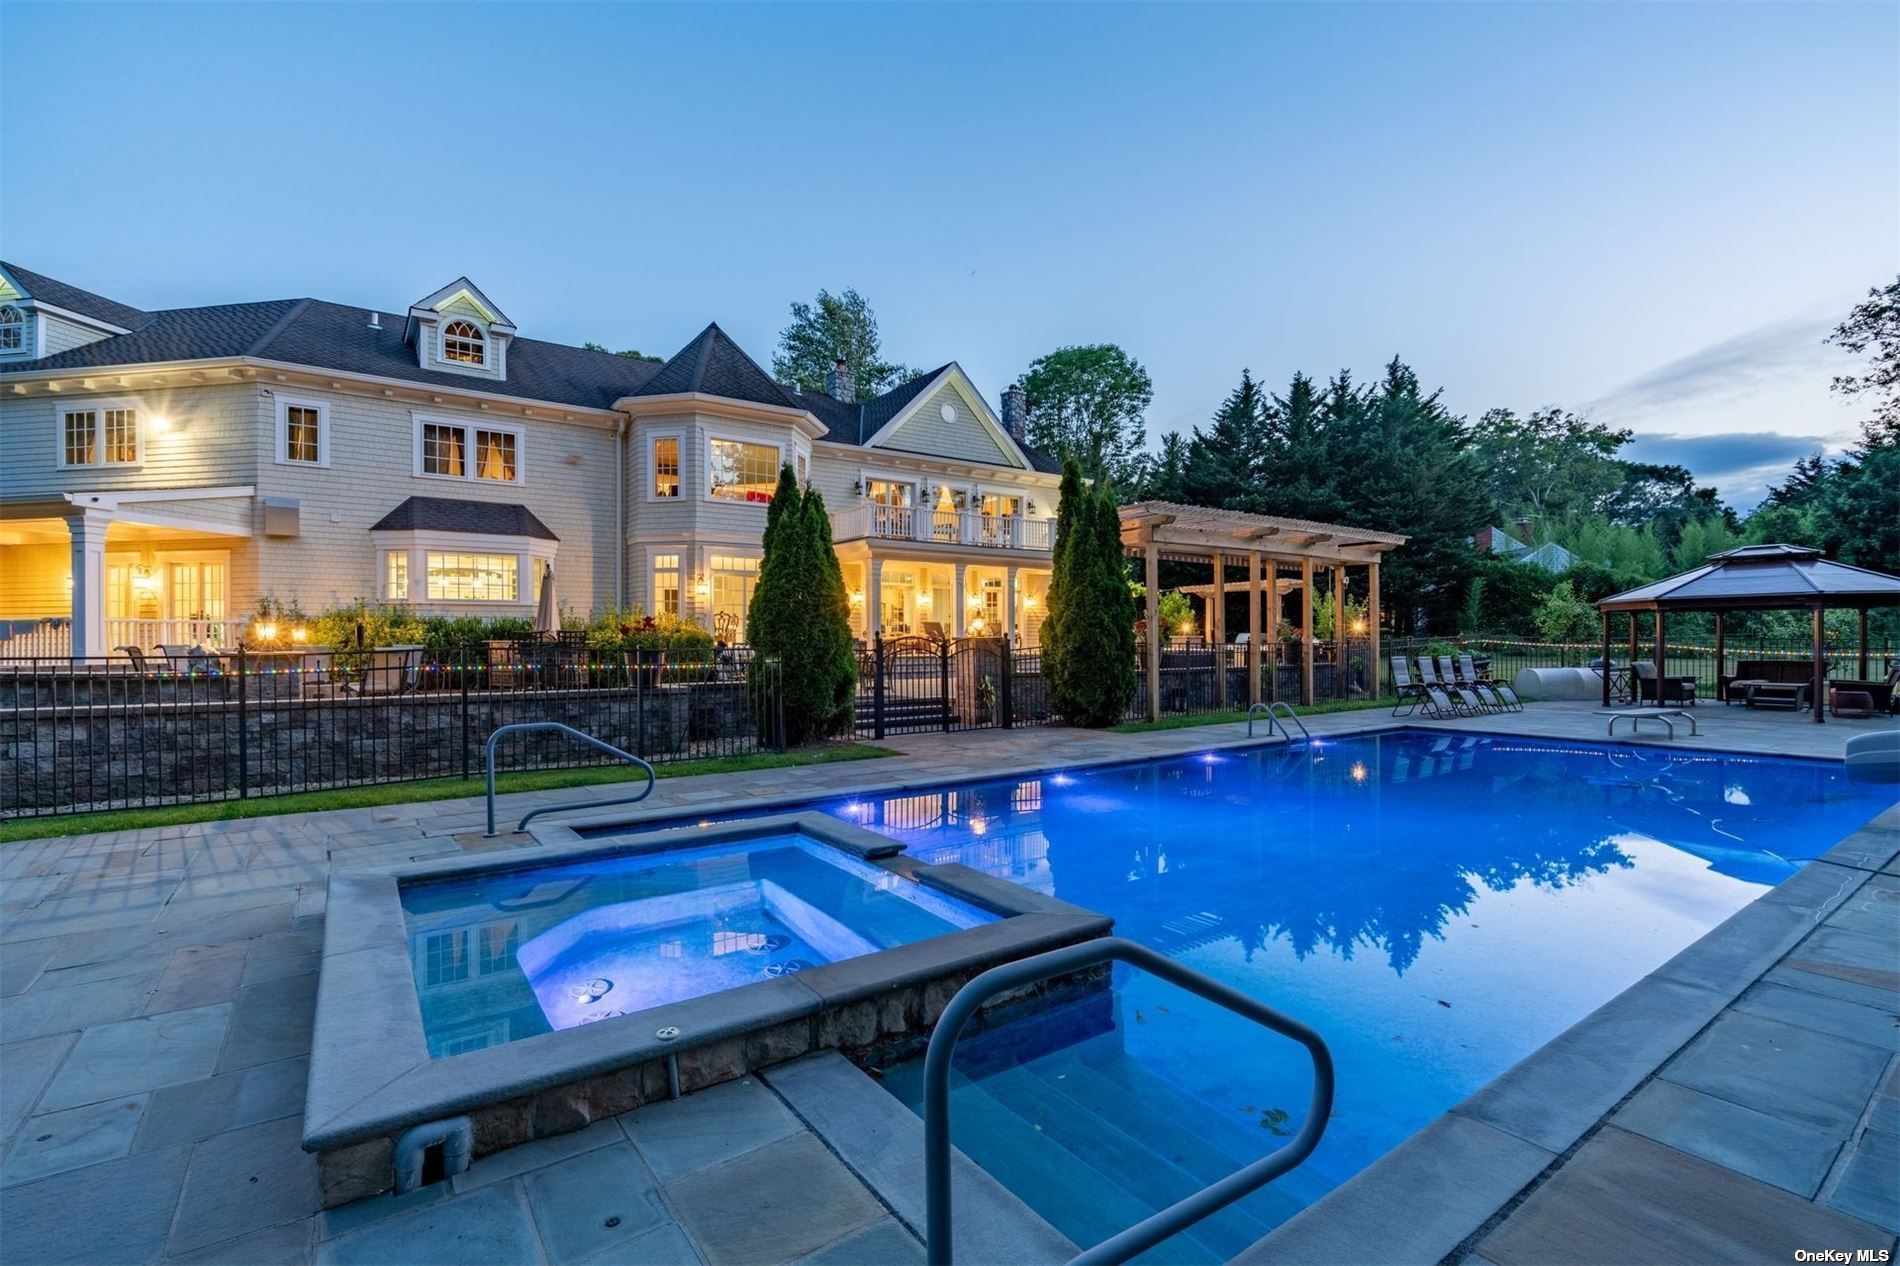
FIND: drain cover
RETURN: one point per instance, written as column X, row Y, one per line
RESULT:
column 787, row 967
column 590, row 991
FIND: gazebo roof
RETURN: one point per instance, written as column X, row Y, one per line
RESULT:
column 1193, row 533
column 1762, row 577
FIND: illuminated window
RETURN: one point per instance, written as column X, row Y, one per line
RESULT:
column 666, row 584
column 733, row 580
column 301, row 432
column 463, row 343
column 12, row 329
column 442, row 450
column 81, row 431
column 122, row 436
column 495, row 455
column 396, row 575
column 884, row 492
column 666, row 466
column 743, row 472
column 474, row 577
column 454, row 450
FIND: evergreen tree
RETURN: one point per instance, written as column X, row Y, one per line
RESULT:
column 1069, row 504
column 1090, row 601
column 1165, row 478
column 800, row 617
column 1225, row 462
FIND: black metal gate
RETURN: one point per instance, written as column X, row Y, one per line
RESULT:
column 911, row 684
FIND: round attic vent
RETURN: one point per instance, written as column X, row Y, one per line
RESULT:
column 949, row 412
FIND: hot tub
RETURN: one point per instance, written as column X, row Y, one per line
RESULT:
column 537, row 991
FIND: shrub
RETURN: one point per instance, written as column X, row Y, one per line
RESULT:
column 801, row 618
column 1562, row 617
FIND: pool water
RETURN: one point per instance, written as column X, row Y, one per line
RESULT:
column 510, row 954
column 1436, row 906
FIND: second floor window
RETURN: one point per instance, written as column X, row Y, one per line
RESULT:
column 12, row 329
column 302, row 437
column 666, row 466
column 743, row 472
column 463, row 343
column 103, row 436
column 454, row 450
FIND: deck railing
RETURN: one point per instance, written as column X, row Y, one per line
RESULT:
column 942, row 527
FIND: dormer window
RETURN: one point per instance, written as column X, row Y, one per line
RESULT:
column 12, row 329
column 463, row 343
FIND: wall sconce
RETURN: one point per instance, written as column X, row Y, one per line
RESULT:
column 161, row 425
column 266, row 632
column 702, row 587
column 1032, row 507
column 857, row 487
column 923, row 602
column 300, row 634
column 857, row 597
column 144, row 579
column 1029, row 600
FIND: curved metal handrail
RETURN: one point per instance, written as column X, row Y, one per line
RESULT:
column 1274, row 712
column 488, row 761
column 1149, row 1232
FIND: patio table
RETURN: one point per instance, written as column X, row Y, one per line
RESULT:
column 1774, row 694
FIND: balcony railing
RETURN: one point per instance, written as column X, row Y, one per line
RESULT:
column 942, row 527
column 53, row 636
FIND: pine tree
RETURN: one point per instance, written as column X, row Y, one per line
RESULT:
column 1090, row 602
column 1224, row 461
column 1069, row 502
column 800, row 618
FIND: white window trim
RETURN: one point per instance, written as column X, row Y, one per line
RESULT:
column 684, row 572
column 705, row 483
column 283, row 406
column 29, row 332
column 679, row 438
column 99, row 408
column 531, row 553
column 919, row 485
column 468, row 426
column 494, row 348
column 479, row 328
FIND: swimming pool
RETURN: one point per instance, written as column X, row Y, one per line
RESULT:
column 1438, row 906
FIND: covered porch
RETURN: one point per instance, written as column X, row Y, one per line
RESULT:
column 941, row 594
column 1275, row 558
column 82, row 574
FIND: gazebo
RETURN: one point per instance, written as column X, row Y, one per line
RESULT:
column 1263, row 544
column 1758, row 578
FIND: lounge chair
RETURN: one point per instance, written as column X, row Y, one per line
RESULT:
column 1408, row 691
column 1465, row 701
column 137, row 655
column 1502, row 695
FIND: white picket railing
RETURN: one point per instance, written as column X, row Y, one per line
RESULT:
column 943, row 527
column 52, row 636
column 49, row 637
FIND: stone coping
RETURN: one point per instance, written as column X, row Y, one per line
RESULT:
column 371, row 1075
column 1430, row 1196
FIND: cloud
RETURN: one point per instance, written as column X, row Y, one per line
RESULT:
column 1733, row 452
column 1734, row 368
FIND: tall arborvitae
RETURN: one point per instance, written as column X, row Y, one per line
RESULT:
column 1096, row 615
column 799, row 619
column 1055, row 601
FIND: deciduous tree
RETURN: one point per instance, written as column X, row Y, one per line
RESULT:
column 1090, row 404
column 835, row 328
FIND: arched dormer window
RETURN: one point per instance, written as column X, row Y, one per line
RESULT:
column 12, row 329
column 463, row 343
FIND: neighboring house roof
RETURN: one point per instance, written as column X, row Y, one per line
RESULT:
column 87, row 304
column 713, row 365
column 1495, row 540
column 1762, row 577
column 334, row 336
column 855, row 423
column 1551, row 556
column 450, row 514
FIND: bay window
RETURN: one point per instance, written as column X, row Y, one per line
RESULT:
column 455, row 577
column 742, row 471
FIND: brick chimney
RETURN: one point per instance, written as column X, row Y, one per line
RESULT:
column 1016, row 412
column 839, row 384
column 1524, row 531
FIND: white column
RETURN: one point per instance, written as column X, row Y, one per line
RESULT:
column 88, row 530
column 962, row 607
column 873, row 596
column 1009, row 601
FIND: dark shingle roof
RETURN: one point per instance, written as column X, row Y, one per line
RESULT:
column 857, row 423
column 1763, row 577
column 73, row 299
column 333, row 336
column 714, row 365
column 448, row 514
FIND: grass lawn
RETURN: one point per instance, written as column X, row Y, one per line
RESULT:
column 411, row 792
column 1240, row 714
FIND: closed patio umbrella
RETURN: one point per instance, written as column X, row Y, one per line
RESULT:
column 547, row 617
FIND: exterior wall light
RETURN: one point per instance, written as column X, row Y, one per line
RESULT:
column 702, row 587
column 267, row 632
column 300, row 634
column 857, row 597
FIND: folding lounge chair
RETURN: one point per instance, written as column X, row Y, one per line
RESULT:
column 1465, row 676
column 1409, row 691
column 1506, row 697
column 1466, row 699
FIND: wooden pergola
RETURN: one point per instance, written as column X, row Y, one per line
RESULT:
column 1264, row 544
column 1757, row 578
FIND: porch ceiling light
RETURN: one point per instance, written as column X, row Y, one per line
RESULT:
column 144, row 579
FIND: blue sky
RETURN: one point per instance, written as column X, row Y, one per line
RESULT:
column 1652, row 212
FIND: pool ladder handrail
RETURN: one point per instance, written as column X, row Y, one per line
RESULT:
column 1273, row 713
column 1178, row 1216
column 488, row 761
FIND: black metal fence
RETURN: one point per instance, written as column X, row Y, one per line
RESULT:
column 80, row 735
column 912, row 684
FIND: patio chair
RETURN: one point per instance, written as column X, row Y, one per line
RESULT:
column 177, row 655
column 1674, row 689
column 1407, row 689
column 1439, row 702
column 1505, row 697
column 137, row 655
column 1467, row 700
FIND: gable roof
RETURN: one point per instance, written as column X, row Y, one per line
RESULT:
column 332, row 336
column 461, row 286
column 856, row 424
column 451, row 514
column 713, row 365
column 59, row 294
